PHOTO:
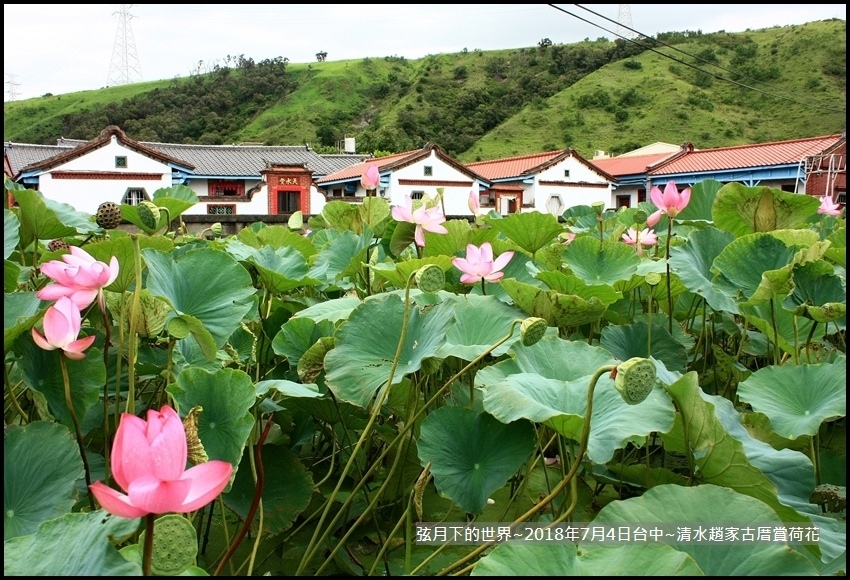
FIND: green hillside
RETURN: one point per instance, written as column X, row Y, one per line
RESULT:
column 755, row 86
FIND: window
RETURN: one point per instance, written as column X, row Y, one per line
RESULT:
column 842, row 196
column 226, row 188
column 429, row 171
column 789, row 188
column 641, row 195
column 337, row 192
column 221, row 209
column 624, row 201
column 134, row 196
column 566, row 173
column 417, row 195
column 121, row 162
column 288, row 201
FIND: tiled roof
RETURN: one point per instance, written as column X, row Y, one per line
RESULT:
column 744, row 156
column 358, row 169
column 630, row 165
column 22, row 154
column 511, row 166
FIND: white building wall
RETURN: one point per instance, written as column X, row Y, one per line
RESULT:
column 87, row 194
column 569, row 195
column 456, row 198
column 259, row 204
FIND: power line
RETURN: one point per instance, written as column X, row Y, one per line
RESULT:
column 627, row 26
column 673, row 58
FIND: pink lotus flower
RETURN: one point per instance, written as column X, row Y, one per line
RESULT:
column 638, row 239
column 474, row 204
column 829, row 207
column 79, row 277
column 479, row 264
column 61, row 328
column 426, row 219
column 149, row 463
column 671, row 202
column 371, row 177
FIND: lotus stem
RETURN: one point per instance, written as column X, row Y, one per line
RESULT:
column 147, row 550
column 134, row 315
column 77, row 431
column 667, row 264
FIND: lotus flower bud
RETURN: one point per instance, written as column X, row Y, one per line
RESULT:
column 430, row 278
column 635, row 379
column 532, row 330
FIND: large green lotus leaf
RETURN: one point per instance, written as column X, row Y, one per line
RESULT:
column 299, row 334
column 725, row 454
column 286, row 492
column 451, row 244
column 818, row 293
column 120, row 245
column 631, row 340
column 375, row 213
column 562, row 406
column 782, row 325
column 480, row 322
column 288, row 388
column 837, row 251
column 472, row 454
column 754, row 268
column 204, row 283
column 41, row 463
column 706, row 506
column 278, row 237
column 12, row 273
column 359, row 366
column 744, row 210
column 797, row 399
column 529, row 230
column 281, row 270
column 335, row 258
column 226, row 397
column 552, row 358
column 45, row 219
column 176, row 199
column 20, row 311
column 573, row 285
column 600, row 263
column 11, row 229
column 562, row 559
column 332, row 310
column 398, row 272
column 401, row 237
column 692, row 263
column 42, row 372
column 699, row 208
column 76, row 544
column 561, row 310
column 343, row 216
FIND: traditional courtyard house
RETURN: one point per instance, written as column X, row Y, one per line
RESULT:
column 778, row 164
column 630, row 170
column 547, row 182
column 413, row 173
column 243, row 180
column 826, row 172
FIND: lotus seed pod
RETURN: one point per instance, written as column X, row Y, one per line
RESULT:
column 598, row 206
column 430, row 278
column 653, row 278
column 149, row 214
column 108, row 215
column 175, row 545
column 635, row 379
column 216, row 229
column 640, row 217
column 58, row 244
column 532, row 330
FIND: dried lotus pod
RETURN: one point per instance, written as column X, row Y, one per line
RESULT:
column 58, row 244
column 108, row 215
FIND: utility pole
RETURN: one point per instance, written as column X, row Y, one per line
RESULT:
column 124, row 67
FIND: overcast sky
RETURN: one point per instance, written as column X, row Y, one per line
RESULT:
column 64, row 48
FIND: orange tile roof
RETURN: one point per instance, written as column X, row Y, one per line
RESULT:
column 629, row 165
column 511, row 166
column 358, row 169
column 742, row 156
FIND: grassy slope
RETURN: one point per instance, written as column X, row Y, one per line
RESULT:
column 344, row 93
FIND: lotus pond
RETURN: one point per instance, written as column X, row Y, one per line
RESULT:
column 302, row 399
